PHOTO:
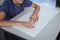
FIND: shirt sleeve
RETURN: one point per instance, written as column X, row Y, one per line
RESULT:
column 27, row 3
column 4, row 7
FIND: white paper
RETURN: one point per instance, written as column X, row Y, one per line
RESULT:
column 46, row 14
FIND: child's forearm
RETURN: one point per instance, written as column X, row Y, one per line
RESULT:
column 9, row 23
column 36, row 11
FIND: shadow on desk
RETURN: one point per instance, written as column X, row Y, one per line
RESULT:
column 58, row 37
column 10, row 36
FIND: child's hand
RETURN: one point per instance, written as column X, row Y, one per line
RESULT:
column 34, row 18
column 27, row 24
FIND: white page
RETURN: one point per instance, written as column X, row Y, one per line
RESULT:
column 46, row 14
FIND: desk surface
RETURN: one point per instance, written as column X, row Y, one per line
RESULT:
column 46, row 14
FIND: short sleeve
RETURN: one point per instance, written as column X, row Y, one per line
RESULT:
column 4, row 7
column 27, row 3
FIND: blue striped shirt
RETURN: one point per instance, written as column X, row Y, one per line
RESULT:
column 12, row 10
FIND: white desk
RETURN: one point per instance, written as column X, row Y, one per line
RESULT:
column 45, row 28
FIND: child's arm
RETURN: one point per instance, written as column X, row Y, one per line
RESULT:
column 4, row 23
column 34, row 16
